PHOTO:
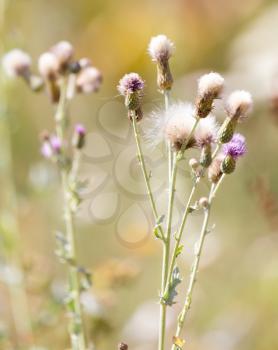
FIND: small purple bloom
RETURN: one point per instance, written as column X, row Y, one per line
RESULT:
column 236, row 147
column 131, row 82
column 80, row 129
column 56, row 144
column 46, row 150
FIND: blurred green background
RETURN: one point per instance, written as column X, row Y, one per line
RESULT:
column 235, row 302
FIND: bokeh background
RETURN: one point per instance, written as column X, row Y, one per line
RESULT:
column 235, row 302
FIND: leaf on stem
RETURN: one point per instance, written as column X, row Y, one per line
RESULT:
column 171, row 293
column 179, row 250
column 156, row 230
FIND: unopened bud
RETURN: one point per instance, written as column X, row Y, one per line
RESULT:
column 226, row 131
column 228, row 164
column 193, row 163
column 79, row 136
column 203, row 202
column 206, row 158
column 214, row 170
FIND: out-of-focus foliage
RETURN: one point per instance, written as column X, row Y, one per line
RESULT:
column 236, row 296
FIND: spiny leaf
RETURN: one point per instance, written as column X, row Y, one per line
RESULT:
column 171, row 293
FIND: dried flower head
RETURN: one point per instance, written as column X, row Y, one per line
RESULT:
column 239, row 104
column 48, row 65
column 85, row 62
column 16, row 63
column 236, row 147
column 64, row 52
column 174, row 125
column 206, row 131
column 89, row 80
column 211, row 84
column 160, row 48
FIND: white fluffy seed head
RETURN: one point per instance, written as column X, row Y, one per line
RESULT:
column 85, row 62
column 239, row 103
column 206, row 131
column 63, row 51
column 48, row 65
column 160, row 48
column 210, row 84
column 16, row 63
column 89, row 80
column 173, row 125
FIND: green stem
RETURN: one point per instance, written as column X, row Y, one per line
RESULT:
column 77, row 332
column 145, row 174
column 216, row 150
column 195, row 267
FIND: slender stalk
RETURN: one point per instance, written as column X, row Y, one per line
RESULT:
column 179, row 234
column 77, row 332
column 195, row 267
column 145, row 174
column 216, row 150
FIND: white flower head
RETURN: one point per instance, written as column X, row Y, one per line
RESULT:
column 173, row 125
column 16, row 63
column 48, row 65
column 210, row 84
column 89, row 80
column 63, row 51
column 160, row 48
column 206, row 131
column 239, row 103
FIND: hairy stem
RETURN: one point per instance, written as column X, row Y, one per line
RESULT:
column 77, row 332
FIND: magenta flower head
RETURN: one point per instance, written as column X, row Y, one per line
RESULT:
column 232, row 151
column 131, row 87
column 78, row 139
column 56, row 144
column 236, row 147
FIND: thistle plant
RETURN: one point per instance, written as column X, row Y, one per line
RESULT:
column 182, row 127
column 62, row 77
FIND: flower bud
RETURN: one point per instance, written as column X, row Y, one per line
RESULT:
column 17, row 63
column 161, row 49
column 79, row 136
column 206, row 158
column 210, row 87
column 56, row 144
column 203, row 202
column 226, row 131
column 214, row 170
column 89, row 80
column 193, row 163
column 228, row 164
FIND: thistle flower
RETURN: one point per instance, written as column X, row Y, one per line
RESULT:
column 239, row 104
column 63, row 51
column 89, row 80
column 17, row 63
column 210, row 87
column 78, row 140
column 131, row 87
column 161, row 49
column 232, row 151
column 175, row 125
column 56, row 144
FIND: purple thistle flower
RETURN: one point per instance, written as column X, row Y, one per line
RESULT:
column 56, row 144
column 80, row 129
column 130, row 83
column 236, row 147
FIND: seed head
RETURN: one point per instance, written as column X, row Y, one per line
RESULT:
column 239, row 104
column 206, row 131
column 89, row 80
column 48, row 66
column 16, row 63
column 161, row 48
column 211, row 84
column 63, row 52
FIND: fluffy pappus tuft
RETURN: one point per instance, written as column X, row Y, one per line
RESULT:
column 16, row 63
column 206, row 131
column 236, row 147
column 89, row 80
column 63, row 51
column 173, row 125
column 48, row 65
column 131, row 82
column 160, row 48
column 210, row 84
column 239, row 104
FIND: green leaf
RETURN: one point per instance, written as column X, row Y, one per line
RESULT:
column 179, row 250
column 156, row 230
column 169, row 296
